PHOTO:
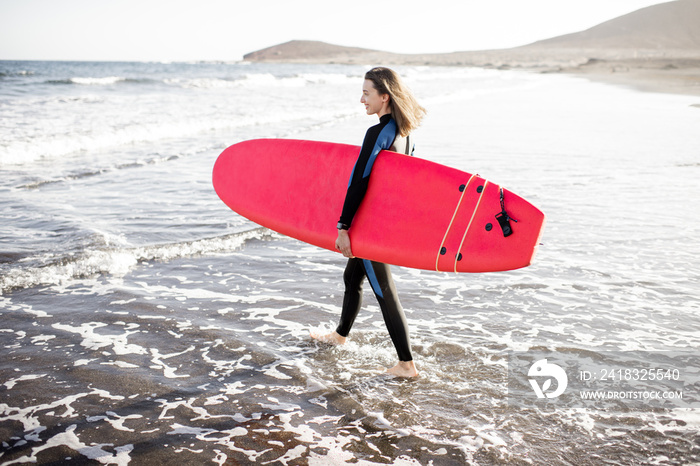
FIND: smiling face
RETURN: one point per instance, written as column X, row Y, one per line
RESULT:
column 373, row 101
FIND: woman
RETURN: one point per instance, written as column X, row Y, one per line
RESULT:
column 384, row 95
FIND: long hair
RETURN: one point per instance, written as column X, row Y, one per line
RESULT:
column 405, row 109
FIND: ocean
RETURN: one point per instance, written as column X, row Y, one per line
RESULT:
column 143, row 322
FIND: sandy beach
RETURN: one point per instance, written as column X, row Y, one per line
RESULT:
column 671, row 71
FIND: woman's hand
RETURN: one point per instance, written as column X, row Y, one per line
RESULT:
column 342, row 244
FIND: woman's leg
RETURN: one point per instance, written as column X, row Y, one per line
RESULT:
column 379, row 276
column 352, row 300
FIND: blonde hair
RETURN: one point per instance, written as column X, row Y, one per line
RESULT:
column 405, row 109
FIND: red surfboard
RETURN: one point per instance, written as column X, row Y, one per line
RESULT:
column 416, row 213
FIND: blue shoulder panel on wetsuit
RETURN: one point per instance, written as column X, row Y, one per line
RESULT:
column 384, row 141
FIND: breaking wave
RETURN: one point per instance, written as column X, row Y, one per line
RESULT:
column 119, row 261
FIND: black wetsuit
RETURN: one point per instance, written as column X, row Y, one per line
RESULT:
column 378, row 137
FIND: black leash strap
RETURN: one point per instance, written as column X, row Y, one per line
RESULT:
column 504, row 219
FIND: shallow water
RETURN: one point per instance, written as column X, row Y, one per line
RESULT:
column 143, row 321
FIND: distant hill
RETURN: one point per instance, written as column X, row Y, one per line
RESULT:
column 672, row 26
column 666, row 30
column 307, row 50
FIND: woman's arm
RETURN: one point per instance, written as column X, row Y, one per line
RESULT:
column 342, row 243
column 378, row 138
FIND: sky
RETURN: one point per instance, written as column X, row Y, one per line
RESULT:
column 187, row 30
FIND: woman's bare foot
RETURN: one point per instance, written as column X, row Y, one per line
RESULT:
column 332, row 338
column 404, row 369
